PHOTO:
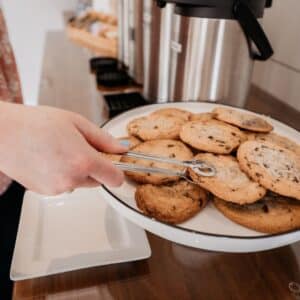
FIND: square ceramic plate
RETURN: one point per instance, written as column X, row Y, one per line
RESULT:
column 70, row 232
column 209, row 229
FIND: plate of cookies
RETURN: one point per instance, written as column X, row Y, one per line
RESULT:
column 251, row 202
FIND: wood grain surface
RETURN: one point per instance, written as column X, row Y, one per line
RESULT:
column 173, row 271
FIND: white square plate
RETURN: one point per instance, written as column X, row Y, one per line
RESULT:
column 70, row 232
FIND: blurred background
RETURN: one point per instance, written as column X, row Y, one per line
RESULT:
column 28, row 21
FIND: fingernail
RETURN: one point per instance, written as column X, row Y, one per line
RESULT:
column 125, row 143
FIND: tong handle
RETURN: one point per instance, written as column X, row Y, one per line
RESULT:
column 203, row 168
column 155, row 158
column 137, row 168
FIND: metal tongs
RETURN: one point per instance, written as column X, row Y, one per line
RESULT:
column 199, row 167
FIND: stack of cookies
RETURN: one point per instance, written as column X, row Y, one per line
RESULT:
column 257, row 181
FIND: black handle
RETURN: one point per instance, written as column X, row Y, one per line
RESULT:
column 269, row 3
column 253, row 31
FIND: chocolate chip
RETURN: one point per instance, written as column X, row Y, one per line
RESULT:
column 211, row 137
column 296, row 180
column 233, row 133
column 265, row 208
column 227, row 148
column 172, row 155
column 266, row 166
column 256, row 149
column 155, row 127
column 170, row 146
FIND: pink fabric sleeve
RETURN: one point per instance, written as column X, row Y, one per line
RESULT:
column 10, row 87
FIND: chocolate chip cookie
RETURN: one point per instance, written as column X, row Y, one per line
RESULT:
column 230, row 182
column 242, row 119
column 155, row 127
column 276, row 139
column 272, row 214
column 173, row 112
column 163, row 148
column 274, row 167
column 173, row 204
column 211, row 136
column 201, row 117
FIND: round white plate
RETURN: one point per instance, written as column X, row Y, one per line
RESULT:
column 209, row 229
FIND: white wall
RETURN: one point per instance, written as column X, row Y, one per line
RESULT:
column 28, row 21
column 280, row 76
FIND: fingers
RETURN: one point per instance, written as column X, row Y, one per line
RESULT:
column 98, row 138
column 103, row 171
column 88, row 183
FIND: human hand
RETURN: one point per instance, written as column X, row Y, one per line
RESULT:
column 51, row 151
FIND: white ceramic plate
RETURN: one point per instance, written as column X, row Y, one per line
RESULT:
column 70, row 232
column 209, row 229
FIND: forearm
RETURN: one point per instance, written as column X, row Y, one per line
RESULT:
column 8, row 128
column 10, row 119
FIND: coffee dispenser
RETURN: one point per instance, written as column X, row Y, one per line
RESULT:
column 157, row 38
column 214, row 44
column 130, row 42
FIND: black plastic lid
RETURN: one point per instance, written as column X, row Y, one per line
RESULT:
column 103, row 63
column 217, row 9
column 113, row 78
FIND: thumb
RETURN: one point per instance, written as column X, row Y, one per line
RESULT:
column 98, row 138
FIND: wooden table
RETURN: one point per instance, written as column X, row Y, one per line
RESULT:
column 173, row 271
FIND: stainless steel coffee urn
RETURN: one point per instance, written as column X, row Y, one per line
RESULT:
column 130, row 42
column 213, row 47
column 123, row 32
column 157, row 51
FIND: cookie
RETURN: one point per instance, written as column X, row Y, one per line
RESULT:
column 163, row 148
column 173, row 112
column 276, row 139
column 201, row 117
column 272, row 214
column 274, row 167
column 242, row 119
column 211, row 136
column 171, row 204
column 155, row 127
column 229, row 183
column 130, row 140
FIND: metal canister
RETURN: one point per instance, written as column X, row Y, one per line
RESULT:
column 209, row 61
column 157, row 39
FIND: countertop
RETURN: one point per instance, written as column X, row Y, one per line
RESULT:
column 173, row 271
